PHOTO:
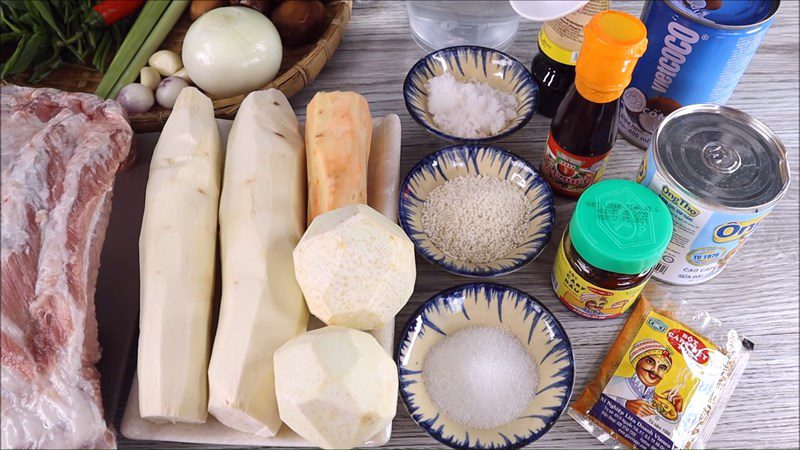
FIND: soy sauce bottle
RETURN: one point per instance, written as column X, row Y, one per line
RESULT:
column 584, row 127
column 559, row 41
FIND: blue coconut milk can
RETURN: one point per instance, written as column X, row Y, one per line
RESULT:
column 697, row 51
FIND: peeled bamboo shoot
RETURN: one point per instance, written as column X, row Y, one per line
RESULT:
column 338, row 134
column 262, row 217
column 176, row 250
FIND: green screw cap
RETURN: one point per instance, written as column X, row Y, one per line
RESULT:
column 620, row 226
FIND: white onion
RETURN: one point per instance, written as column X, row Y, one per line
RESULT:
column 136, row 98
column 231, row 50
column 168, row 91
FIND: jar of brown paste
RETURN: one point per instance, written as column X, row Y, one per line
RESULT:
column 613, row 243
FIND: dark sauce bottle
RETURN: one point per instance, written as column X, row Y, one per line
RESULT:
column 584, row 127
column 554, row 80
column 559, row 41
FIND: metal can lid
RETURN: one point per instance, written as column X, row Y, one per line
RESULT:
column 727, row 13
column 722, row 157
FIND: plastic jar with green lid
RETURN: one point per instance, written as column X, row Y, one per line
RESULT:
column 616, row 237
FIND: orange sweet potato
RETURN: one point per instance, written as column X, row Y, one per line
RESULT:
column 338, row 134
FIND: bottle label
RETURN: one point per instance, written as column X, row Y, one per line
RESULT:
column 584, row 298
column 567, row 173
column 555, row 52
column 561, row 39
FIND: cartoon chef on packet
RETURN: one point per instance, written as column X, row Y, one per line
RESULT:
column 651, row 361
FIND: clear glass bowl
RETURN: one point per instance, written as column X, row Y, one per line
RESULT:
column 439, row 24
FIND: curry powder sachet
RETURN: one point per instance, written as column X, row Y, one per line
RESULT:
column 665, row 381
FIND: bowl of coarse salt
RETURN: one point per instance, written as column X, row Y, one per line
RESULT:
column 476, row 210
column 470, row 94
column 485, row 366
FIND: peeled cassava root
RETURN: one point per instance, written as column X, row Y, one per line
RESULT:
column 261, row 217
column 177, row 246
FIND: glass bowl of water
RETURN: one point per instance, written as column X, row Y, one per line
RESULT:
column 439, row 24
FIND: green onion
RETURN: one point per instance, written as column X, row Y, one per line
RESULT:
column 150, row 45
column 141, row 29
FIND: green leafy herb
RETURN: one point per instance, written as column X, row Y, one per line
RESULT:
column 45, row 34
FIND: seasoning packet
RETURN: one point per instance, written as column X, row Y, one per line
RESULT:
column 665, row 381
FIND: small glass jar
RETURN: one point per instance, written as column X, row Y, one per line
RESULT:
column 612, row 245
column 440, row 24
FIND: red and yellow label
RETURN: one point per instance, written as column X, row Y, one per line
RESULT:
column 662, row 385
column 586, row 299
column 567, row 173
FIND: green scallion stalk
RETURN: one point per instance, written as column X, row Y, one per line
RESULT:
column 150, row 45
column 143, row 27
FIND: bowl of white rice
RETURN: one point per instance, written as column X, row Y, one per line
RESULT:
column 470, row 94
column 476, row 210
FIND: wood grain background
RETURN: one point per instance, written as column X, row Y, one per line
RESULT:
column 757, row 294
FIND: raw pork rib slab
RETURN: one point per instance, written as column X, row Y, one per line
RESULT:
column 60, row 152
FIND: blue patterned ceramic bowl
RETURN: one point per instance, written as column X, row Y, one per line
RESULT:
column 474, row 159
column 468, row 63
column 487, row 304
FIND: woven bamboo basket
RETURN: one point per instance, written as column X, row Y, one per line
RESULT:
column 300, row 66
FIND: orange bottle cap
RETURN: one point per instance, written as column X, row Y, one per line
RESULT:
column 612, row 43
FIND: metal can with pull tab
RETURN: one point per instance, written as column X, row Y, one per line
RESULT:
column 720, row 172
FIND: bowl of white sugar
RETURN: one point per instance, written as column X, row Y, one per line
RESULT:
column 470, row 94
column 484, row 366
column 476, row 210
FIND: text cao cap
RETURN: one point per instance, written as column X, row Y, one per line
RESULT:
column 613, row 42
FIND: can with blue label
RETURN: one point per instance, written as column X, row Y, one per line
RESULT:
column 720, row 172
column 696, row 53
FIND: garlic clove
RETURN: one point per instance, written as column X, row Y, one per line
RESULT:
column 183, row 73
column 166, row 62
column 149, row 77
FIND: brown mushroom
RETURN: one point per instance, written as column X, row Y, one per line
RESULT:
column 200, row 7
column 299, row 22
column 262, row 6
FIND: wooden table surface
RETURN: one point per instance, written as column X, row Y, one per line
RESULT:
column 757, row 294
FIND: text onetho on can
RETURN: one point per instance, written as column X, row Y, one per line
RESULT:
column 720, row 172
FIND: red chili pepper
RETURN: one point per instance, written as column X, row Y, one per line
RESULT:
column 109, row 11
